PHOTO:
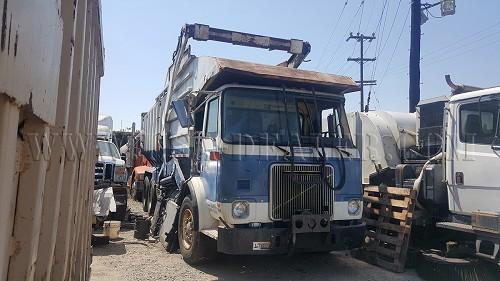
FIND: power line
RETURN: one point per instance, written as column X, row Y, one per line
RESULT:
column 383, row 12
column 367, row 24
column 341, row 69
column 437, row 53
column 449, row 45
column 348, row 28
column 395, row 47
column 392, row 26
column 379, row 43
column 361, row 17
column 384, row 6
column 331, row 35
column 487, row 36
column 461, row 53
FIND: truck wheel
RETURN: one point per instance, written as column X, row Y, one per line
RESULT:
column 195, row 247
column 145, row 194
column 151, row 200
column 136, row 195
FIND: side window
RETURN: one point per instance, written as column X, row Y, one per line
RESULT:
column 211, row 122
column 478, row 125
column 332, row 128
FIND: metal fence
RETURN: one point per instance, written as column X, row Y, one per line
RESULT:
column 51, row 63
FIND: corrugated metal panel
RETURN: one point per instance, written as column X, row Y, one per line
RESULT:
column 51, row 62
column 30, row 45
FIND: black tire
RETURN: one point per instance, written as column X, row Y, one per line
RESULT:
column 151, row 200
column 145, row 194
column 134, row 193
column 195, row 247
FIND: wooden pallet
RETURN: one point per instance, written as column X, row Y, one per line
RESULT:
column 388, row 213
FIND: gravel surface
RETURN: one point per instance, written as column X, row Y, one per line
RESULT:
column 129, row 259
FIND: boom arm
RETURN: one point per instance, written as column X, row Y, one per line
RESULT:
column 298, row 48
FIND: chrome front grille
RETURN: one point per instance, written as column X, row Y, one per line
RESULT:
column 103, row 172
column 302, row 190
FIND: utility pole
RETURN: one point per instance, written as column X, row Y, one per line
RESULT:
column 414, row 89
column 361, row 60
column 417, row 19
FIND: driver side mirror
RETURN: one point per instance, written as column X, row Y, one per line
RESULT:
column 183, row 113
column 123, row 157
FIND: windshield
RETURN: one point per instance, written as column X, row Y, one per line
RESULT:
column 261, row 116
column 107, row 149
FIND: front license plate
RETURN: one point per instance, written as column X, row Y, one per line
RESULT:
column 261, row 246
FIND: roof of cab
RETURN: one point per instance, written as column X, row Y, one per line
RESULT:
column 233, row 71
column 475, row 94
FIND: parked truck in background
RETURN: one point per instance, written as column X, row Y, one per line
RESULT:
column 449, row 151
column 139, row 183
column 242, row 161
column 110, row 169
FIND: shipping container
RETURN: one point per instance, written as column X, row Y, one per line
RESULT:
column 51, row 63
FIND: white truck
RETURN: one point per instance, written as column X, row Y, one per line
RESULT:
column 110, row 172
column 449, row 150
column 243, row 163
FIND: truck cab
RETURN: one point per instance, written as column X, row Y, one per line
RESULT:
column 472, row 152
column 449, row 153
column 272, row 168
column 111, row 173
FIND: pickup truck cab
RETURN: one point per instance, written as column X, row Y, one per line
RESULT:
column 110, row 172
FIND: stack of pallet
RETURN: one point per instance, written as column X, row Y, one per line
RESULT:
column 388, row 213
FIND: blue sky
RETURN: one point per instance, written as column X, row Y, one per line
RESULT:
column 140, row 36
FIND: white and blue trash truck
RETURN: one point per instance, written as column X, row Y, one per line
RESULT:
column 242, row 162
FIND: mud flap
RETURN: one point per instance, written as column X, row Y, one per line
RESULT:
column 168, row 237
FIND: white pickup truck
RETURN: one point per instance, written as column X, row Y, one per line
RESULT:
column 110, row 180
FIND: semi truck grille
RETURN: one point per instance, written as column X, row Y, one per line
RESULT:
column 300, row 191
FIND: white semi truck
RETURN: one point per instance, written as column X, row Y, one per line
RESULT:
column 242, row 161
column 449, row 150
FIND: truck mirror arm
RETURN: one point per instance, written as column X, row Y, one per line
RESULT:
column 494, row 144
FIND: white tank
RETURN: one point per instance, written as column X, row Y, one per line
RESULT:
column 380, row 137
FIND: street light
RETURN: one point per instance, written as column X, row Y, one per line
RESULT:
column 447, row 8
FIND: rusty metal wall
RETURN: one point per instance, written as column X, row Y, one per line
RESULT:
column 51, row 63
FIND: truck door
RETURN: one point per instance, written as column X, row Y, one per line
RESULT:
column 210, row 156
column 473, row 156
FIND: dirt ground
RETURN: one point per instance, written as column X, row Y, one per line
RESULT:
column 129, row 259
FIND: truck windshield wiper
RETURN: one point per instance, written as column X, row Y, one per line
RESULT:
column 289, row 133
column 287, row 152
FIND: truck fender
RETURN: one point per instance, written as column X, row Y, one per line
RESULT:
column 197, row 190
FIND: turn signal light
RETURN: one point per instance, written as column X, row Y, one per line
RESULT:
column 214, row 155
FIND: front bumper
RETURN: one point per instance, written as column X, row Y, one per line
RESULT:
column 99, row 184
column 265, row 241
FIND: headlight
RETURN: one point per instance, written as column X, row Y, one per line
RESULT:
column 240, row 209
column 353, row 207
column 120, row 174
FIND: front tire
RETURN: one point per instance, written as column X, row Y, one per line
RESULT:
column 134, row 193
column 151, row 200
column 195, row 247
column 145, row 194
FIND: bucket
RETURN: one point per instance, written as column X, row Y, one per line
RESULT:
column 141, row 228
column 112, row 229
